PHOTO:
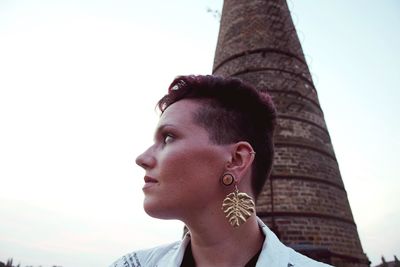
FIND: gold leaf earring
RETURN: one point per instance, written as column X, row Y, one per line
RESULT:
column 237, row 206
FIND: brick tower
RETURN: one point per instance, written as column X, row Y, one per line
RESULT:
column 305, row 201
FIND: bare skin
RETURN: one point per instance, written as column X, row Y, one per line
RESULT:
column 212, row 246
column 183, row 170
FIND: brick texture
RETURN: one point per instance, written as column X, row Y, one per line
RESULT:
column 305, row 201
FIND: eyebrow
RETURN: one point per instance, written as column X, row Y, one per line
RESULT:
column 161, row 128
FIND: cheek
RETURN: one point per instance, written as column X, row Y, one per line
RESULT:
column 196, row 166
column 170, row 162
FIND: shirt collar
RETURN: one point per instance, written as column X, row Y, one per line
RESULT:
column 273, row 253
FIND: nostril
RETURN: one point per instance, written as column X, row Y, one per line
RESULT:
column 145, row 161
column 139, row 161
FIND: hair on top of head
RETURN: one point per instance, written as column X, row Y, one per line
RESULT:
column 231, row 111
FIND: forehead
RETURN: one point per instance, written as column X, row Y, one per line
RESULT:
column 180, row 112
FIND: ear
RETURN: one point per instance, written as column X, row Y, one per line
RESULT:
column 241, row 160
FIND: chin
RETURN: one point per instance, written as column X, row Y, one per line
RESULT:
column 158, row 209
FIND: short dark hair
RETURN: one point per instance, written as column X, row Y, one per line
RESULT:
column 232, row 111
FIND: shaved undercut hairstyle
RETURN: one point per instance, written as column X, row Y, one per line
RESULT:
column 231, row 111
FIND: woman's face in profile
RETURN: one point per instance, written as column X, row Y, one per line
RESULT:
column 183, row 166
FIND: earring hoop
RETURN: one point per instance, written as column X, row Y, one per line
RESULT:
column 227, row 179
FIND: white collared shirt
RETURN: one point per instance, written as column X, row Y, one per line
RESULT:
column 273, row 254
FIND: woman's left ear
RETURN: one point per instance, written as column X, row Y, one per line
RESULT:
column 242, row 159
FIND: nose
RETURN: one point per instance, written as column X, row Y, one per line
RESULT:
column 146, row 160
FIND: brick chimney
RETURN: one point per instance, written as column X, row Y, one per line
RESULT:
column 304, row 201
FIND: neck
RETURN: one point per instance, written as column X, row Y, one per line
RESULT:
column 216, row 243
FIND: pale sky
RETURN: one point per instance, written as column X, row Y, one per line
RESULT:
column 79, row 80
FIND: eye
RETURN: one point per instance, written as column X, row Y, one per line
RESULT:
column 167, row 138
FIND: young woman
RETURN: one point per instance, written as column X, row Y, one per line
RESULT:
column 212, row 153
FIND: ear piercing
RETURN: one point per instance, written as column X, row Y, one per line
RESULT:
column 237, row 206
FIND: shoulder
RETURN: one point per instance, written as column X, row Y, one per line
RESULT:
column 275, row 253
column 299, row 260
column 147, row 257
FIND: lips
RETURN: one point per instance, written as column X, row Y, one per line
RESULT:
column 149, row 182
column 148, row 179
